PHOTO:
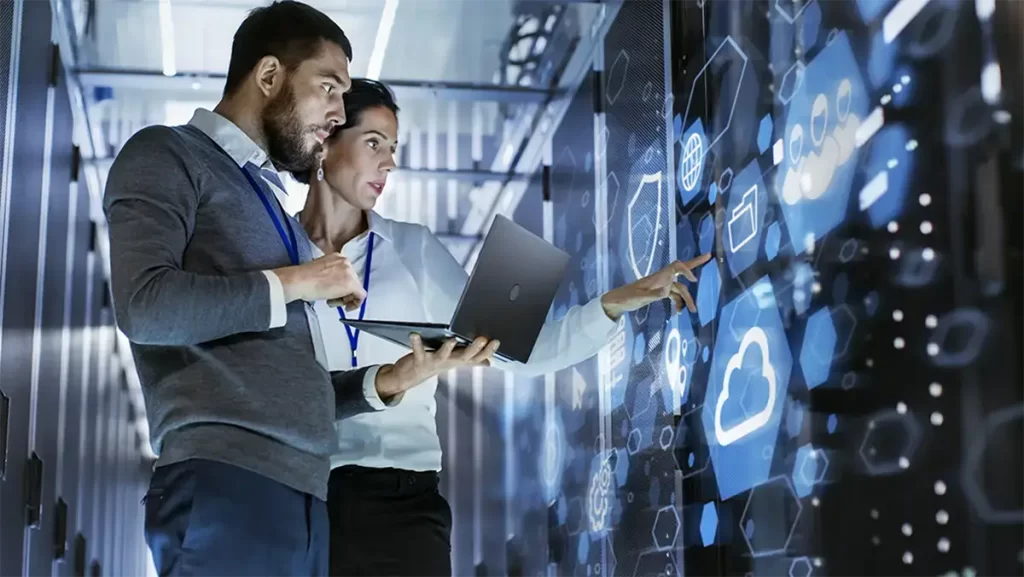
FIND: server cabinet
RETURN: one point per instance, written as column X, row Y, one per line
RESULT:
column 48, row 360
column 24, row 471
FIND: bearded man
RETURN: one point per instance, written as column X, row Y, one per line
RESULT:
column 212, row 283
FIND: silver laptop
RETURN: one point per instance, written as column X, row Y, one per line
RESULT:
column 507, row 297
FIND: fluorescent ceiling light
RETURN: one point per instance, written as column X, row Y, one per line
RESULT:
column 167, row 38
column 380, row 42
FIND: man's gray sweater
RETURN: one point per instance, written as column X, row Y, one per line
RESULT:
column 189, row 238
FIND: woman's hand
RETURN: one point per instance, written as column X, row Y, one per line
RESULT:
column 420, row 365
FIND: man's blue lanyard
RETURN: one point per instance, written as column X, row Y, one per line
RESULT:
column 353, row 334
column 288, row 239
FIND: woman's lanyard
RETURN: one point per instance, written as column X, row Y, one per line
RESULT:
column 353, row 334
column 288, row 239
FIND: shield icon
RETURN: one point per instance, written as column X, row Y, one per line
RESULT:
column 644, row 216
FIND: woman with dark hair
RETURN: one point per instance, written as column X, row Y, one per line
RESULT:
column 386, row 513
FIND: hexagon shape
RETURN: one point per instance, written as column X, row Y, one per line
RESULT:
column 754, row 342
column 844, row 323
column 633, row 443
column 666, row 528
column 973, row 486
column 809, row 469
column 890, row 437
column 643, row 226
column 690, row 169
column 707, row 293
column 727, row 52
column 970, row 327
column 708, row 524
column 706, row 232
column 810, row 23
column 795, row 419
column 773, row 241
column 800, row 567
column 666, row 437
column 617, row 75
column 791, row 82
column 764, row 133
column 818, row 348
column 814, row 180
column 744, row 227
column 778, row 512
column 691, row 452
column 848, row 251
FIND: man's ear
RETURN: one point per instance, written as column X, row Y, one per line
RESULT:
column 269, row 75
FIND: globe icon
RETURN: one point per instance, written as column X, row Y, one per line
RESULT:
column 691, row 163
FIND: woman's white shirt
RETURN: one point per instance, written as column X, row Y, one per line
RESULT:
column 414, row 278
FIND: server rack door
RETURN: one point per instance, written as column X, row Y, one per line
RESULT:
column 75, row 379
column 18, row 272
column 52, row 275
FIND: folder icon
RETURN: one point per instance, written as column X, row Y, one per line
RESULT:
column 743, row 222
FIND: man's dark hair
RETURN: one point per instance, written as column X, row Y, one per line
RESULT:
column 364, row 95
column 288, row 30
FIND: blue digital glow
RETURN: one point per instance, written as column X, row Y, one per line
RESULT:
column 708, row 288
column 871, row 303
column 809, row 469
column 903, row 87
column 888, row 170
column 813, row 183
column 772, row 241
column 583, row 550
column 707, row 234
column 794, row 419
column 639, row 349
column 752, row 355
column 803, row 279
column 708, row 524
column 871, row 9
column 744, row 219
column 818, row 348
column 882, row 60
column 677, row 127
column 712, row 192
column 706, row 354
column 690, row 168
column 680, row 352
column 810, row 24
column 764, row 134
column 833, row 423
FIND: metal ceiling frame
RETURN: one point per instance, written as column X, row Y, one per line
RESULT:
column 522, row 156
column 206, row 85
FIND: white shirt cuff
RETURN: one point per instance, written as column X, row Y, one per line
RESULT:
column 278, row 308
column 370, row 391
column 595, row 321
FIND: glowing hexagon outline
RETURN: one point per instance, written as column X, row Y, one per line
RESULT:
column 671, row 437
column 972, row 488
column 913, row 429
column 736, row 98
column 842, row 352
column 796, row 519
column 806, row 562
column 646, row 179
column 787, row 17
column 635, row 433
column 800, row 69
column 612, row 99
column 700, row 430
column 675, row 535
column 817, row 455
column 963, row 317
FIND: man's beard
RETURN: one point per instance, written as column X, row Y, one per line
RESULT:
column 286, row 137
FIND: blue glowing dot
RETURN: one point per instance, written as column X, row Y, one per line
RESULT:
column 677, row 127
column 833, row 422
column 691, row 459
column 749, row 528
column 713, row 192
column 707, row 353
column 871, row 303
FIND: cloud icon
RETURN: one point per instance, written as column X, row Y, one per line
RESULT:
column 754, row 336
